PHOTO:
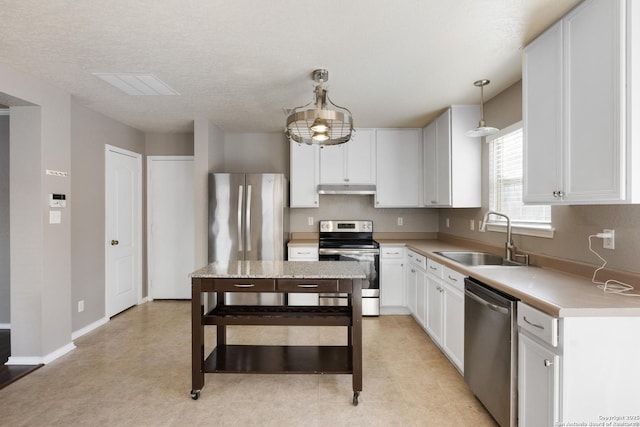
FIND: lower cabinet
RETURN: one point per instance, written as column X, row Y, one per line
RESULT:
column 303, row 253
column 392, row 279
column 435, row 297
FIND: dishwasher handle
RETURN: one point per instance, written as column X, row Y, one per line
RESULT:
column 496, row 308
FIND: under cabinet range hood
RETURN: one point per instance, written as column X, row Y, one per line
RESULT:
column 356, row 189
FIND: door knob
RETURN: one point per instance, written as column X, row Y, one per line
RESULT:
column 114, row 242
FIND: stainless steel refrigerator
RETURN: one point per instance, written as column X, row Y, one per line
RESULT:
column 248, row 220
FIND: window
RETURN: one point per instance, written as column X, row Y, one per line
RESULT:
column 505, row 183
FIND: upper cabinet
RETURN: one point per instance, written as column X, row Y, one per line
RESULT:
column 452, row 160
column 578, row 100
column 350, row 163
column 304, row 175
column 398, row 168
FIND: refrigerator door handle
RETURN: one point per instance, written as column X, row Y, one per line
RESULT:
column 240, row 198
column 248, row 218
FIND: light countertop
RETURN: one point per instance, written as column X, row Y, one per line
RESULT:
column 553, row 292
column 282, row 270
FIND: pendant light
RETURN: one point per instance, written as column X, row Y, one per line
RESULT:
column 482, row 129
column 325, row 124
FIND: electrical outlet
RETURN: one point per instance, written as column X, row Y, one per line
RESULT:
column 400, row 221
column 609, row 242
column 446, row 222
column 472, row 224
column 80, row 306
column 310, row 220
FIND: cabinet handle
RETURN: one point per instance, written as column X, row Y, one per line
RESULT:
column 114, row 243
column 310, row 285
column 243, row 285
column 432, row 267
column 547, row 363
column 412, row 270
column 533, row 324
column 453, row 279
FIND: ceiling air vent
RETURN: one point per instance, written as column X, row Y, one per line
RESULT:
column 137, row 84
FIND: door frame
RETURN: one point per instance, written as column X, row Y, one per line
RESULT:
column 138, row 235
column 151, row 159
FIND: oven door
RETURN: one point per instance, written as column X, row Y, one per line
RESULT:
column 370, row 260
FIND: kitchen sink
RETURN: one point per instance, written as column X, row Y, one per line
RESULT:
column 475, row 259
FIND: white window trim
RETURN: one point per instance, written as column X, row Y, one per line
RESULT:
column 500, row 226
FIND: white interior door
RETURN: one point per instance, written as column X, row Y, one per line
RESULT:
column 123, row 229
column 170, row 226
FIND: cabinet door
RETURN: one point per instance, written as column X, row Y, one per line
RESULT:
column 361, row 158
column 332, row 164
column 392, row 289
column 421, row 297
column 304, row 170
column 398, row 167
column 412, row 284
column 303, row 253
column 594, row 80
column 443, row 159
column 430, row 165
column 434, row 309
column 542, row 117
column 538, row 382
column 453, row 325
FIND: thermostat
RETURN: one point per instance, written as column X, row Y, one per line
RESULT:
column 57, row 200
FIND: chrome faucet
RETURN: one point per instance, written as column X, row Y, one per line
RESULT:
column 510, row 248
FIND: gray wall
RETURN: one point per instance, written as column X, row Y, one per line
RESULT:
column 256, row 153
column 5, row 272
column 573, row 224
column 90, row 132
column 168, row 144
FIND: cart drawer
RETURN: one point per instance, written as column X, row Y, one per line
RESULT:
column 245, row 285
column 302, row 285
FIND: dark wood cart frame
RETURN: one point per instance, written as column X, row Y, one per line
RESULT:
column 276, row 359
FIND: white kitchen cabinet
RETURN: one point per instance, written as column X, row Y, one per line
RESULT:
column 398, row 168
column 452, row 160
column 453, row 317
column 578, row 103
column 538, row 381
column 435, row 300
column 392, row 279
column 304, row 175
column 350, row 163
column 416, row 263
column 303, row 253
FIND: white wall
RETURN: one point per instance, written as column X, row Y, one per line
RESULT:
column 5, row 266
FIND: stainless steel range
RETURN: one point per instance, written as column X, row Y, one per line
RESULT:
column 352, row 241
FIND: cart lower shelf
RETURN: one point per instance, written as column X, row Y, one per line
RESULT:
column 275, row 359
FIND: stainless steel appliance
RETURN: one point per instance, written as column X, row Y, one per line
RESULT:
column 248, row 220
column 490, row 349
column 352, row 241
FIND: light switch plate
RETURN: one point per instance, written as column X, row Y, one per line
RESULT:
column 55, row 217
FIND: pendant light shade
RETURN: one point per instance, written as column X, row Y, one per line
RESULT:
column 324, row 124
column 482, row 129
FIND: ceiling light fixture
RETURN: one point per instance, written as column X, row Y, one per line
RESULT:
column 326, row 124
column 482, row 129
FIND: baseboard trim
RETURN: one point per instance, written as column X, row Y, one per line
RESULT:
column 393, row 310
column 90, row 327
column 30, row 360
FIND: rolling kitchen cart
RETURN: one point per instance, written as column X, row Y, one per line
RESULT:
column 278, row 277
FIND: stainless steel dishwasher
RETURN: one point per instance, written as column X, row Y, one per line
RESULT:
column 490, row 350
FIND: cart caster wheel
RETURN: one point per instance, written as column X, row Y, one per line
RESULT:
column 355, row 398
column 195, row 394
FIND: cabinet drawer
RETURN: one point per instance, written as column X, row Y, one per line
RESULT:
column 391, row 252
column 453, row 278
column 302, row 285
column 417, row 260
column 303, row 253
column 434, row 268
column 245, row 285
column 538, row 324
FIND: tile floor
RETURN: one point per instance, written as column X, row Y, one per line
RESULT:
column 135, row 371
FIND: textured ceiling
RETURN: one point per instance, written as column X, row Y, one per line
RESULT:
column 239, row 63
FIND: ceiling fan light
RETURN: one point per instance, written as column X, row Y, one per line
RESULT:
column 326, row 124
column 319, row 125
